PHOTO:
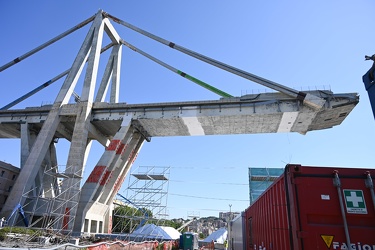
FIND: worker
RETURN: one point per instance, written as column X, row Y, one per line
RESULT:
column 226, row 244
column 2, row 222
column 372, row 69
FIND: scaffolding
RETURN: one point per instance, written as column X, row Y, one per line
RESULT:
column 47, row 207
column 144, row 201
column 260, row 179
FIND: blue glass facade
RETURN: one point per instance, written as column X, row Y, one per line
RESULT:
column 260, row 179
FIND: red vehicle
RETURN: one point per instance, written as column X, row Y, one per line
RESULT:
column 314, row 208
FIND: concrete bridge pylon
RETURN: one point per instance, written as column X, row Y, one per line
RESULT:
column 38, row 153
column 54, row 197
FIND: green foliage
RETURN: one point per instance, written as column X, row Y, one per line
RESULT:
column 172, row 223
column 18, row 230
column 126, row 218
column 160, row 246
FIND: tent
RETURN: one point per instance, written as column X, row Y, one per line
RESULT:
column 151, row 231
column 172, row 232
column 219, row 236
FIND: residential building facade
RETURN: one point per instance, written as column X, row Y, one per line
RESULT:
column 8, row 176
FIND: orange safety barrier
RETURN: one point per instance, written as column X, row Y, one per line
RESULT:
column 124, row 245
column 167, row 245
column 100, row 247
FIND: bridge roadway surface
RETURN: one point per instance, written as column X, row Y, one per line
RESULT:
column 256, row 113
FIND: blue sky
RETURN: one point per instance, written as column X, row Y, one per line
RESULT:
column 300, row 44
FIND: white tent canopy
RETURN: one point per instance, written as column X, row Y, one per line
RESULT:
column 219, row 236
column 151, row 231
column 172, row 232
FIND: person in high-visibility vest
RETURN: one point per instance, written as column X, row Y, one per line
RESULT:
column 226, row 245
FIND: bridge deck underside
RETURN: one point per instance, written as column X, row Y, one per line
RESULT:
column 266, row 115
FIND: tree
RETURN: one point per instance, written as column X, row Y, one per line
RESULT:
column 126, row 219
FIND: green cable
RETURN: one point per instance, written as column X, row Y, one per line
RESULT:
column 203, row 84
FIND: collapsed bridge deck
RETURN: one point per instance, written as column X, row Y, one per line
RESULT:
column 261, row 113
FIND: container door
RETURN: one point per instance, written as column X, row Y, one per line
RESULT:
column 326, row 223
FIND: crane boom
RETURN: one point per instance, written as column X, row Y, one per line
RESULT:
column 186, row 224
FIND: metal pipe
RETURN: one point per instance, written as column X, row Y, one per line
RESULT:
column 337, row 183
column 370, row 185
column 31, row 52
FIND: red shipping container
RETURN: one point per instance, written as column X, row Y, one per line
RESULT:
column 314, row 208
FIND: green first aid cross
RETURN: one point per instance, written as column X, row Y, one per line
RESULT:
column 355, row 201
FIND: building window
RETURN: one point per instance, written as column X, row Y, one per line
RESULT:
column 2, row 173
column 14, row 177
column 10, row 188
column 100, row 227
column 85, row 229
column 93, row 228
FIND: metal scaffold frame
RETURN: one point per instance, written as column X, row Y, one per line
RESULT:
column 48, row 209
column 147, row 192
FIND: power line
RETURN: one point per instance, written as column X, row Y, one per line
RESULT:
column 217, row 183
column 200, row 168
column 206, row 198
column 200, row 209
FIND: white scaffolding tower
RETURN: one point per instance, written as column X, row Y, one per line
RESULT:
column 147, row 194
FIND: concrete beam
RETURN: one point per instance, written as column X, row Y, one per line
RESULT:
column 93, row 60
column 112, row 70
column 94, row 133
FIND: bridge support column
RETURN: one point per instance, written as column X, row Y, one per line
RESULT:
column 106, row 178
column 30, row 170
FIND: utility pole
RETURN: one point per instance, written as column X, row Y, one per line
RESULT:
column 229, row 240
column 230, row 212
